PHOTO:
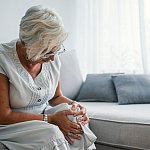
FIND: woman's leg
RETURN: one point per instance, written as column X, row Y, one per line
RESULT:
column 87, row 138
column 32, row 135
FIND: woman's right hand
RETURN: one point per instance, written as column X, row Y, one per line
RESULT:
column 68, row 128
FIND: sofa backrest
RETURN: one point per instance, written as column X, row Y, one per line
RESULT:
column 70, row 75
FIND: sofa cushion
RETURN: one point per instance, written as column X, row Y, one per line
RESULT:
column 123, row 126
column 98, row 87
column 70, row 75
column 132, row 89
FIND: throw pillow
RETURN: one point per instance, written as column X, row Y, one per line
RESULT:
column 98, row 87
column 132, row 89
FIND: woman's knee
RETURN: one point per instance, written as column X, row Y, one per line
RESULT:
column 54, row 131
column 47, row 130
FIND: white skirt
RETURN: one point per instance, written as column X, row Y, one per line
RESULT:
column 39, row 135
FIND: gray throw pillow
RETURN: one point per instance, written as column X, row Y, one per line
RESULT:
column 132, row 89
column 98, row 87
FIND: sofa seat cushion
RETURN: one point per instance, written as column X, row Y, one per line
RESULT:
column 124, row 126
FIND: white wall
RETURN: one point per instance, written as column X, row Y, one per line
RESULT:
column 11, row 12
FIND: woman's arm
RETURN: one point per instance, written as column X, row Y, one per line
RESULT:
column 7, row 116
column 59, row 98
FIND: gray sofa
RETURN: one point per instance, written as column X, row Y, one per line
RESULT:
column 118, row 125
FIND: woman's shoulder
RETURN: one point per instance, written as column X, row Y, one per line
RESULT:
column 7, row 47
column 7, row 51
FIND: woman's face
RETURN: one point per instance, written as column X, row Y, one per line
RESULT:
column 50, row 56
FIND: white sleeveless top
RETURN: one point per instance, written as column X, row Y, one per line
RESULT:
column 28, row 94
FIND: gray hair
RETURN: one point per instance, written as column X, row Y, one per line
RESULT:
column 41, row 29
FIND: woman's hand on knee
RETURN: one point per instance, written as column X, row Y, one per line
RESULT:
column 82, row 113
column 68, row 128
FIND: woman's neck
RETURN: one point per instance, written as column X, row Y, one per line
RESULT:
column 21, row 51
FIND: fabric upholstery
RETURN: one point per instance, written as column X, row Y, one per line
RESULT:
column 70, row 75
column 132, row 89
column 121, row 126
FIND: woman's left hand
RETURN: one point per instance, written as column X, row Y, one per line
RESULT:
column 84, row 119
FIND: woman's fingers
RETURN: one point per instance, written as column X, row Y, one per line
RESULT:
column 74, row 136
column 74, row 106
column 82, row 109
column 76, row 131
column 84, row 119
column 68, row 139
column 70, row 126
column 69, row 112
column 83, row 112
column 85, row 122
column 75, row 125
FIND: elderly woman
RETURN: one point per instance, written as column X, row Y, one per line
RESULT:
column 33, row 112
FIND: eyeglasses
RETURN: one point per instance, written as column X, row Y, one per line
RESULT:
column 57, row 52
